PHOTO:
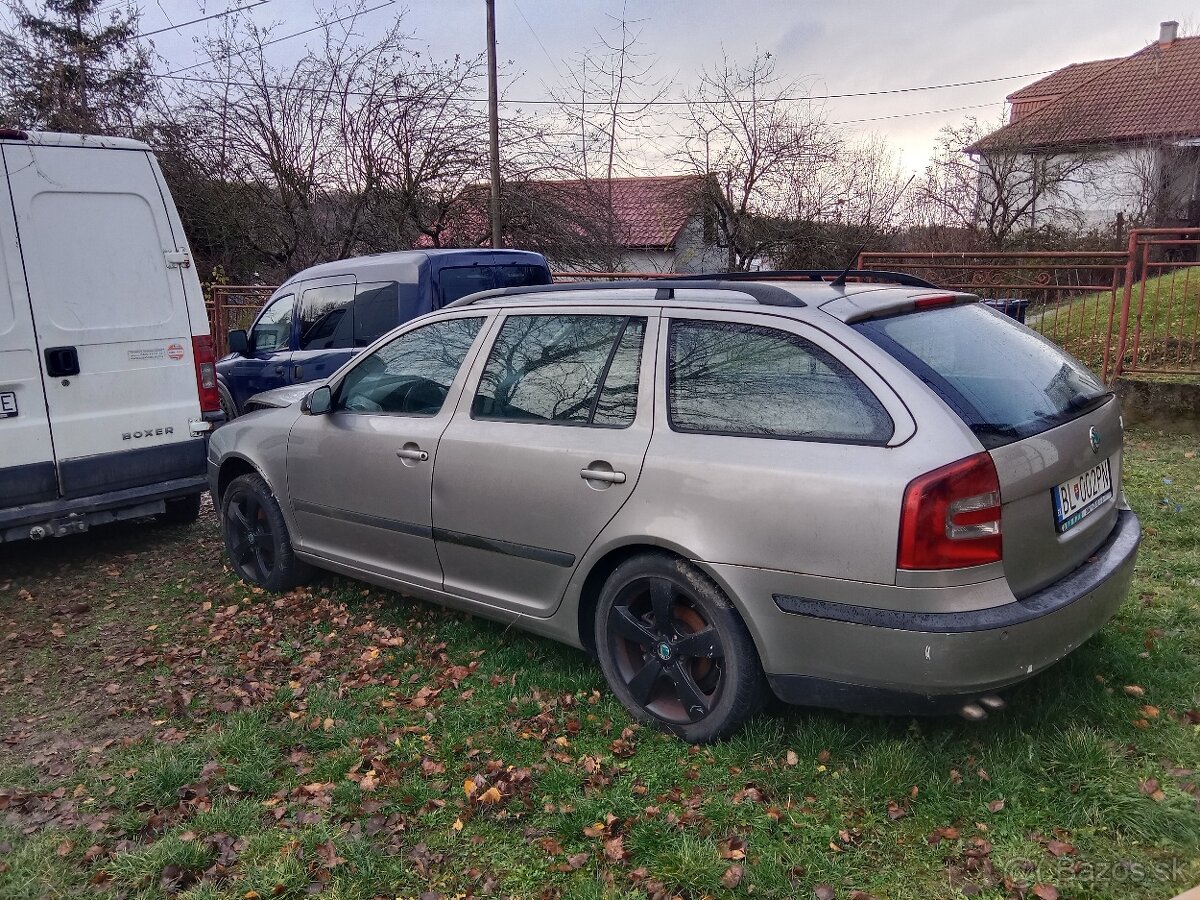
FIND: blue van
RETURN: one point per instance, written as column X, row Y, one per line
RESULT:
column 322, row 316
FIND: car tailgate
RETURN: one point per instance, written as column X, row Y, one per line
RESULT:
column 1035, row 552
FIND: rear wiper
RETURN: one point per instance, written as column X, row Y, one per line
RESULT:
column 1082, row 401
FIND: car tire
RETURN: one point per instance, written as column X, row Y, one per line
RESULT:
column 182, row 511
column 699, row 677
column 227, row 405
column 256, row 536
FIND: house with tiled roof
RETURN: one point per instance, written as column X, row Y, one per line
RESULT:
column 646, row 224
column 1136, row 117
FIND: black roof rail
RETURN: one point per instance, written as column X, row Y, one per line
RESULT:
column 901, row 278
column 664, row 288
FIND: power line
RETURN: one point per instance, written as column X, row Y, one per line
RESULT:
column 228, row 12
column 924, row 112
column 286, row 37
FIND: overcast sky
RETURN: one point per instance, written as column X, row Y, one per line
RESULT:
column 836, row 47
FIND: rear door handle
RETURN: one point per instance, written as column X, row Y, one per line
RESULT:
column 602, row 475
column 61, row 361
column 279, row 370
column 407, row 453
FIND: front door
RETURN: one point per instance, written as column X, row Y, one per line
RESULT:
column 265, row 366
column 114, row 339
column 545, row 453
column 360, row 476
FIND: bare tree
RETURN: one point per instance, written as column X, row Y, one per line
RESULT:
column 1003, row 189
column 756, row 136
column 1157, row 183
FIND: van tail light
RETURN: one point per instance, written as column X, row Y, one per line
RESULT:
column 951, row 517
column 206, row 373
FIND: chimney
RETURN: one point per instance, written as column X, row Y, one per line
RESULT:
column 1167, row 32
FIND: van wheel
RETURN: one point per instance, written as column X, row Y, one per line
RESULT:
column 227, row 405
column 675, row 651
column 256, row 536
column 183, row 511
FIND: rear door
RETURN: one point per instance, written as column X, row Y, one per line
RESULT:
column 1053, row 431
column 545, row 448
column 325, row 336
column 27, row 472
column 110, row 314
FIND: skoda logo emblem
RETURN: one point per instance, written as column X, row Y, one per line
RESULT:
column 1094, row 437
column 664, row 651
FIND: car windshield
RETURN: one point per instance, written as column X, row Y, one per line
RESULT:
column 1005, row 381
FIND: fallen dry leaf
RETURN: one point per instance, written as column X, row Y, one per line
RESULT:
column 732, row 877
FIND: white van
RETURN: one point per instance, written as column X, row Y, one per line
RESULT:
column 107, row 379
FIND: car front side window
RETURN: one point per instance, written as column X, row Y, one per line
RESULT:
column 732, row 378
column 411, row 374
column 273, row 330
column 563, row 369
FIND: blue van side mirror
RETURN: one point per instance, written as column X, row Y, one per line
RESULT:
column 238, row 342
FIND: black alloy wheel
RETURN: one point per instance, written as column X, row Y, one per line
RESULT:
column 674, row 651
column 256, row 536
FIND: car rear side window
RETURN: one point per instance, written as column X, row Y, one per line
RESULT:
column 737, row 379
column 563, row 369
column 411, row 374
column 1005, row 381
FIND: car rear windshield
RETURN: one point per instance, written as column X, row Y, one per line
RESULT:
column 1005, row 381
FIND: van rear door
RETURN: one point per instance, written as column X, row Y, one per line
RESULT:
column 27, row 468
column 114, row 337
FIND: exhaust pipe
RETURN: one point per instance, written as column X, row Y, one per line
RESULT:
column 973, row 712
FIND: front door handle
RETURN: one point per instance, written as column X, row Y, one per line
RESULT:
column 602, row 475
column 413, row 453
column 279, row 370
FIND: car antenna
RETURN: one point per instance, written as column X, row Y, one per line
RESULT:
column 840, row 281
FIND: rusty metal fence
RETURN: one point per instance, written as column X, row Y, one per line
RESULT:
column 233, row 306
column 1133, row 311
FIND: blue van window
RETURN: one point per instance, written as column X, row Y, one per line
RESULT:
column 326, row 322
column 375, row 310
column 458, row 281
column 273, row 330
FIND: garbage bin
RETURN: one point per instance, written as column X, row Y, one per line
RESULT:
column 1013, row 307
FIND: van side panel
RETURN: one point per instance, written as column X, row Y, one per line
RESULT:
column 27, row 464
column 101, row 263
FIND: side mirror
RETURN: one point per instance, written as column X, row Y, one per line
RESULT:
column 318, row 403
column 238, row 342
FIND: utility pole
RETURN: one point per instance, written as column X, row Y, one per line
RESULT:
column 493, row 121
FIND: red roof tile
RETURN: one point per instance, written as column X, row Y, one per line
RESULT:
column 1058, row 83
column 1153, row 94
column 648, row 213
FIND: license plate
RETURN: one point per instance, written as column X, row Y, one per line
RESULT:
column 1077, row 498
column 8, row 404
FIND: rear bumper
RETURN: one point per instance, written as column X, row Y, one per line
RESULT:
column 921, row 661
column 57, row 517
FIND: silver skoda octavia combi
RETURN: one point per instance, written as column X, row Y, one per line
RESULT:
column 874, row 495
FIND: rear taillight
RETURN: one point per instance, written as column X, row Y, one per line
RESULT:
column 206, row 373
column 951, row 517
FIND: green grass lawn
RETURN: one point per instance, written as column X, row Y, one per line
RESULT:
column 1170, row 311
column 166, row 731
